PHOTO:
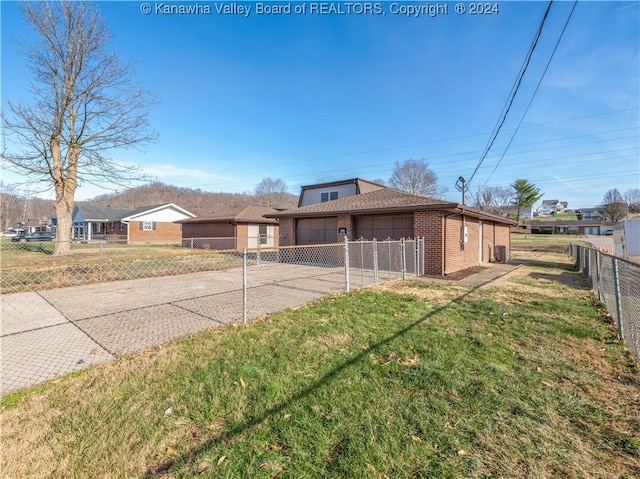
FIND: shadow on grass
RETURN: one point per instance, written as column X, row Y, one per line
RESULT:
column 571, row 279
column 190, row 457
column 568, row 277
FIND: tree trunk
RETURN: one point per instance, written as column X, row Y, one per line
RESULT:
column 64, row 215
column 65, row 188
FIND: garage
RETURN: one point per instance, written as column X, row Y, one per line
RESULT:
column 381, row 227
column 316, row 230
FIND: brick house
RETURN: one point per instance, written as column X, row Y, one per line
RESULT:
column 247, row 228
column 571, row 227
column 457, row 237
column 149, row 224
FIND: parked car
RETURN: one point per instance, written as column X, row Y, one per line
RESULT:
column 35, row 236
column 7, row 234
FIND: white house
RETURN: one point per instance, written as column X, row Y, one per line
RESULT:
column 149, row 224
column 552, row 207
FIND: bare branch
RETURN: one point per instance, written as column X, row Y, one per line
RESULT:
column 84, row 104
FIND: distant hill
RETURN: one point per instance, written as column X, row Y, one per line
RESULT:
column 16, row 209
column 194, row 200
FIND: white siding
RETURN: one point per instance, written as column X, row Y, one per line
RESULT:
column 311, row 196
column 165, row 215
column 254, row 231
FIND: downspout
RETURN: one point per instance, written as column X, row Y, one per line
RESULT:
column 444, row 248
column 235, row 233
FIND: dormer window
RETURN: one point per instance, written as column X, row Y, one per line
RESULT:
column 328, row 196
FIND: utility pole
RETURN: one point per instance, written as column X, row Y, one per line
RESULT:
column 462, row 187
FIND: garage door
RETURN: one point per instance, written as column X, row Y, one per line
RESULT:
column 316, row 231
column 383, row 227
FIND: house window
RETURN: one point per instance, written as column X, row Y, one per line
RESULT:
column 262, row 234
column 328, row 196
column 147, row 225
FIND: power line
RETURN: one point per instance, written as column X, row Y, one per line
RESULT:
column 515, row 132
column 513, row 93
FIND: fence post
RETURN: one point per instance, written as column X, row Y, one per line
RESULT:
column 346, row 264
column 362, row 263
column 616, row 292
column 100, row 262
column 423, row 255
column 375, row 260
column 244, row 287
column 389, row 249
column 403, row 259
column 192, row 258
column 598, row 275
column 416, row 248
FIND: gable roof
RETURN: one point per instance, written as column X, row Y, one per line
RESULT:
column 101, row 213
column 145, row 210
column 106, row 213
column 383, row 200
column 249, row 214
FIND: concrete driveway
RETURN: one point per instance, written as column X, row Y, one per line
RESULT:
column 600, row 241
column 50, row 333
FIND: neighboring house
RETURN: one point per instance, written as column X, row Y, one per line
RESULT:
column 552, row 207
column 589, row 214
column 33, row 225
column 247, row 228
column 323, row 192
column 526, row 213
column 626, row 239
column 457, row 237
column 149, row 224
column 571, row 227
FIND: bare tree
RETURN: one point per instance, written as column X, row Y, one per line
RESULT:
column 271, row 192
column 10, row 206
column 613, row 207
column 632, row 199
column 496, row 200
column 84, row 104
column 415, row 177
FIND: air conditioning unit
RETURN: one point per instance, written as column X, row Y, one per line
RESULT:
column 500, row 253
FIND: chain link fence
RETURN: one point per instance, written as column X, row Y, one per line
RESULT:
column 33, row 267
column 616, row 281
column 128, row 298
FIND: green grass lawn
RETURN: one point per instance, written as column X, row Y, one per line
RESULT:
column 409, row 380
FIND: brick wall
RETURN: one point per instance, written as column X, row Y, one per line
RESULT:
column 164, row 233
column 461, row 255
column 208, row 230
column 287, row 231
column 503, row 236
column 344, row 221
column 488, row 241
column 429, row 224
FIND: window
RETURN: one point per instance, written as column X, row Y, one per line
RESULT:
column 262, row 233
column 328, row 196
column 147, row 225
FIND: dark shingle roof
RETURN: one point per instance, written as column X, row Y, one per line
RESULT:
column 102, row 213
column 250, row 214
column 381, row 201
column 372, row 201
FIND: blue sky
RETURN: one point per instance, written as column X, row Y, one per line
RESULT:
column 313, row 97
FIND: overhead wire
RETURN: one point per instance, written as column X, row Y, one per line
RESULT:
column 512, row 94
column 515, row 132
